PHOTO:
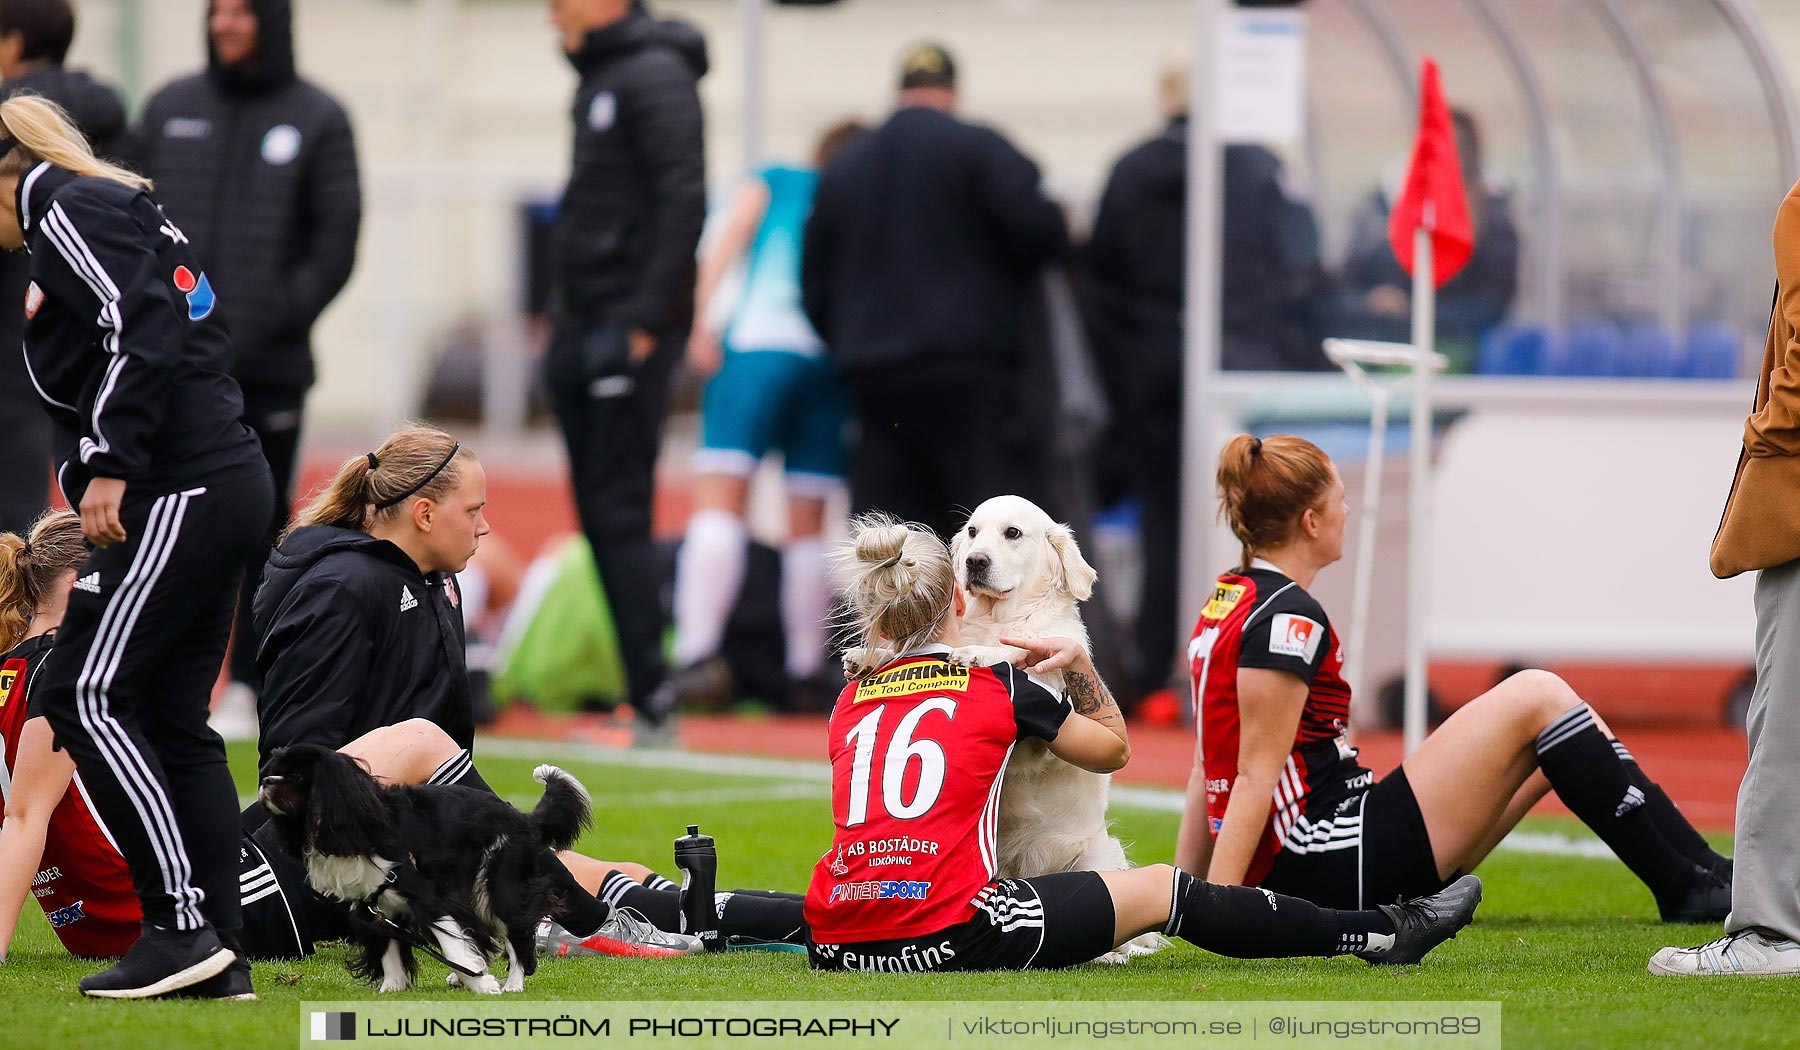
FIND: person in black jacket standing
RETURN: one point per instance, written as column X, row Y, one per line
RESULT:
column 1273, row 301
column 926, row 238
column 259, row 167
column 126, row 347
column 34, row 38
column 623, row 292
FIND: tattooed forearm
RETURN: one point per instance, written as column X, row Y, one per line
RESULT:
column 1091, row 697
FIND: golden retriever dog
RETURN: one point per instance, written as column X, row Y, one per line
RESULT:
column 1023, row 574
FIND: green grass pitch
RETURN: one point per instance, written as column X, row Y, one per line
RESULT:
column 1560, row 941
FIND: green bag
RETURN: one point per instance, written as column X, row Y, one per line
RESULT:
column 559, row 649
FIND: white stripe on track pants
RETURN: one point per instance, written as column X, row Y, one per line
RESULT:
column 128, row 686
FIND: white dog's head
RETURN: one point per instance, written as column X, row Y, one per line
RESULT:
column 1010, row 550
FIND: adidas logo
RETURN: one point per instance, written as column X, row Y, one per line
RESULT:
column 407, row 601
column 89, row 583
column 1632, row 800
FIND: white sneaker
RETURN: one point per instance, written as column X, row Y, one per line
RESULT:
column 234, row 716
column 1746, row 953
column 625, row 932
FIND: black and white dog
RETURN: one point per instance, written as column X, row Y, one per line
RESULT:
column 444, row 864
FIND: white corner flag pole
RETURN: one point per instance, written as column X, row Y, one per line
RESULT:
column 1351, row 355
column 1418, row 533
column 1362, row 589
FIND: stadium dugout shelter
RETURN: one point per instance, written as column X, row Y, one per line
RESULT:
column 1579, row 471
column 1578, row 466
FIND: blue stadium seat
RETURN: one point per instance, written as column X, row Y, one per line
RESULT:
column 1513, row 350
column 1713, row 351
column 1589, row 349
column 1648, row 350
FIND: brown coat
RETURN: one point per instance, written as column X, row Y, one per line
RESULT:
column 1761, row 524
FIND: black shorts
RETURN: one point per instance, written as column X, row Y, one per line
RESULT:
column 1386, row 858
column 1020, row 924
column 283, row 916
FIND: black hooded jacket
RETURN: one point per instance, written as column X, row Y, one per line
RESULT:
column 1273, row 284
column 101, row 117
column 258, row 166
column 352, row 637
column 630, row 219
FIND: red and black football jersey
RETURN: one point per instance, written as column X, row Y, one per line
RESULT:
column 82, row 882
column 918, row 753
column 1262, row 619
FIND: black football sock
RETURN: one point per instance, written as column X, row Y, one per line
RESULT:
column 653, row 881
column 763, row 915
column 780, row 895
column 459, row 769
column 661, row 907
column 1669, row 820
column 1248, row 923
column 1586, row 772
column 576, row 910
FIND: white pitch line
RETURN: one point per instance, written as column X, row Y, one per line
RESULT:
column 1157, row 800
column 681, row 761
column 697, row 797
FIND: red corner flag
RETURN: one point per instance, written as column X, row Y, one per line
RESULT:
column 1433, row 198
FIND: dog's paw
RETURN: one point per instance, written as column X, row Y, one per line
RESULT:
column 979, row 656
column 515, row 980
column 861, row 661
column 1115, row 958
column 486, row 984
column 394, row 984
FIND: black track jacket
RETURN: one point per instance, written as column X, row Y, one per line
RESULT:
column 259, row 167
column 623, row 245
column 123, row 342
column 352, row 637
column 926, row 238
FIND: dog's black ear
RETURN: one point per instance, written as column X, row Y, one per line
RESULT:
column 1071, row 571
column 345, row 812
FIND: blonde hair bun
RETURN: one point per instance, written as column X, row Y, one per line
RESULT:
column 897, row 581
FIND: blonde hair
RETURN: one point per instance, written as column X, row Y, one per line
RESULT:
column 30, row 567
column 1265, row 484
column 417, row 462
column 897, row 579
column 44, row 132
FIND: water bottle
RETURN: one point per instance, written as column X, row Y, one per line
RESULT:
column 699, row 864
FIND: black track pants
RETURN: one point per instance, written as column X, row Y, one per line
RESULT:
column 612, row 414
column 127, row 688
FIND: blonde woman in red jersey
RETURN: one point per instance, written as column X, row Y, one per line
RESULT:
column 85, row 888
column 918, row 749
column 1277, row 798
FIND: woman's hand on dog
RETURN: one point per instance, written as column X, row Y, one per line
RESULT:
column 1050, row 654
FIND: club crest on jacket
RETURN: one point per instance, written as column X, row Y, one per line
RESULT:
column 198, row 290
